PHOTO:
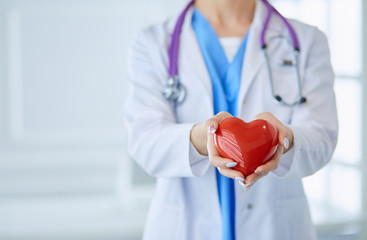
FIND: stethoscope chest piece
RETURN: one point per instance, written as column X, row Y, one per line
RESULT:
column 174, row 91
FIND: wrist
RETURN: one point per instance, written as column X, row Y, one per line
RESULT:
column 198, row 138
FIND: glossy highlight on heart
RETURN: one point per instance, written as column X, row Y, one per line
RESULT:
column 249, row 144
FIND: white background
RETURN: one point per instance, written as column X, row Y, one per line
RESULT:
column 64, row 170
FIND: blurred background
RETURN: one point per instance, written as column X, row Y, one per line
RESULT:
column 64, row 170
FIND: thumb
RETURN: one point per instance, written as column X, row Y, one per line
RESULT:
column 212, row 123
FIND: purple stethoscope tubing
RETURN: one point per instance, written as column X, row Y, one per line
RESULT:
column 175, row 92
column 173, row 49
column 271, row 10
column 296, row 48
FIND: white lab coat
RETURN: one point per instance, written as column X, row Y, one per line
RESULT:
column 185, row 205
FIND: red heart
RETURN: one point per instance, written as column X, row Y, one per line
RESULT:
column 249, row 144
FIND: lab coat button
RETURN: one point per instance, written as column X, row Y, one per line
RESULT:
column 249, row 206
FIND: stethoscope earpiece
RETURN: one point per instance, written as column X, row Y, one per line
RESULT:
column 279, row 100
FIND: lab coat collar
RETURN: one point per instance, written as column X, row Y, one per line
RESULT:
column 254, row 59
column 190, row 56
column 261, row 12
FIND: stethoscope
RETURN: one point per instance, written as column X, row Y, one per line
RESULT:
column 175, row 92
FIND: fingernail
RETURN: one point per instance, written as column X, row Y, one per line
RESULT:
column 239, row 179
column 241, row 183
column 247, row 186
column 260, row 173
column 286, row 143
column 231, row 164
column 212, row 129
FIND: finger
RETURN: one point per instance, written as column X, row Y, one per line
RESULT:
column 212, row 150
column 284, row 137
column 231, row 173
column 215, row 159
column 212, row 126
column 272, row 164
column 251, row 180
column 285, row 133
column 212, row 123
column 266, row 116
column 222, row 115
column 264, row 170
column 218, row 161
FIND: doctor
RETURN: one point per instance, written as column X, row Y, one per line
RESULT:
column 231, row 58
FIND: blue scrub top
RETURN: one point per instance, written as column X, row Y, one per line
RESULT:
column 226, row 79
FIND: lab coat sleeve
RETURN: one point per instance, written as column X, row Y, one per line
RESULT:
column 158, row 144
column 314, row 124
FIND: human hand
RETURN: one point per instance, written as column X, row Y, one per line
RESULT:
column 199, row 132
column 224, row 165
column 285, row 144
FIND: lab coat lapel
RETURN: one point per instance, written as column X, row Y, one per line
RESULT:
column 191, row 59
column 254, row 57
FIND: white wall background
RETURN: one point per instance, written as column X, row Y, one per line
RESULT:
column 64, row 170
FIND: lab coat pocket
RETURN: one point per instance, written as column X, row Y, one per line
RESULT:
column 165, row 223
column 294, row 220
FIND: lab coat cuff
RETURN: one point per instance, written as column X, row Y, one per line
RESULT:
column 199, row 163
